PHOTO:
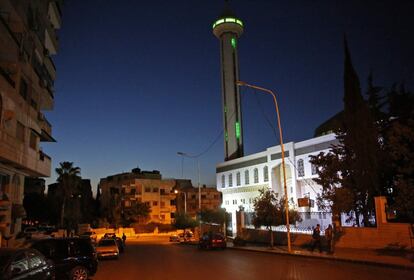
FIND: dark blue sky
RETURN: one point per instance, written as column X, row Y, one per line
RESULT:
column 140, row 80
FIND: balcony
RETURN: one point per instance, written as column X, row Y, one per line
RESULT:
column 19, row 155
column 54, row 15
column 46, row 128
column 51, row 40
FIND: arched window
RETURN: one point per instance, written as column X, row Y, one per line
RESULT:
column 223, row 181
column 230, row 180
column 265, row 174
column 301, row 168
column 238, row 179
column 256, row 176
column 314, row 169
column 246, row 177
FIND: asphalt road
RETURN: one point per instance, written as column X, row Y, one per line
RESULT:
column 161, row 260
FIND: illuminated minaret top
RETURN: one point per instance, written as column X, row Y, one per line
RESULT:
column 228, row 29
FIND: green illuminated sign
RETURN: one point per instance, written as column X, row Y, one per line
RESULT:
column 232, row 20
column 233, row 42
column 238, row 130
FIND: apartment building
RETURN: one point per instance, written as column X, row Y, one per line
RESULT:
column 188, row 199
column 28, row 41
column 120, row 193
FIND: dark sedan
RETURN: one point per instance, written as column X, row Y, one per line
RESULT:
column 212, row 240
column 74, row 258
column 24, row 264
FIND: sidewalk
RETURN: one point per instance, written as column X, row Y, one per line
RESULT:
column 389, row 258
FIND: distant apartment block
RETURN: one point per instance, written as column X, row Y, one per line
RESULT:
column 120, row 193
column 28, row 41
column 188, row 199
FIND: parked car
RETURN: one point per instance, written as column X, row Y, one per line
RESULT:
column 109, row 235
column 74, row 258
column 174, row 238
column 212, row 240
column 121, row 245
column 107, row 247
column 89, row 235
column 24, row 264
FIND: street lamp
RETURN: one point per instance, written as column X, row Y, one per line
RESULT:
column 198, row 171
column 268, row 91
column 185, row 200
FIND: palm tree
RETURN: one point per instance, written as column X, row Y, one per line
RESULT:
column 68, row 179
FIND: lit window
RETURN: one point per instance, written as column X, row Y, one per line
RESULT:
column 238, row 178
column 246, row 177
column 256, row 175
column 265, row 174
column 230, row 180
column 301, row 168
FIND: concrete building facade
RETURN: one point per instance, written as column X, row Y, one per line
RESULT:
column 28, row 41
column 121, row 192
column 187, row 200
column 241, row 179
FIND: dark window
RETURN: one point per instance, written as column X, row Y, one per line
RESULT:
column 230, row 180
column 265, row 174
column 20, row 131
column 172, row 202
column 238, row 179
column 256, row 175
column 133, row 191
column 23, row 89
column 301, row 168
column 162, row 191
column 147, row 189
column 172, row 215
column 223, row 181
column 314, row 169
column 203, row 196
column 155, row 190
column 246, row 177
column 33, row 103
column 154, row 203
column 33, row 140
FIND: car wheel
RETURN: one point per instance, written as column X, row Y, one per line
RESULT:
column 79, row 273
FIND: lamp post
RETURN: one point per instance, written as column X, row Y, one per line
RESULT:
column 198, row 172
column 268, row 91
column 185, row 200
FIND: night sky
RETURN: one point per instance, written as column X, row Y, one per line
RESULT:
column 139, row 81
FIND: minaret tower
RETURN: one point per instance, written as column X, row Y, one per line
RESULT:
column 228, row 29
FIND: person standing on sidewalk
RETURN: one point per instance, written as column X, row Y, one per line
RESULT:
column 316, row 238
column 329, row 239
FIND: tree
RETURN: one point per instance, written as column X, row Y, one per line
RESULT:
column 269, row 211
column 399, row 146
column 217, row 216
column 184, row 221
column 69, row 180
column 36, row 208
column 136, row 213
column 349, row 173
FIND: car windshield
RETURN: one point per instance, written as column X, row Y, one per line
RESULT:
column 107, row 242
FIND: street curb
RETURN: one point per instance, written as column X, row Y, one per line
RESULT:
column 328, row 258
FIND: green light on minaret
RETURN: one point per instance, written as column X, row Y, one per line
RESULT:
column 234, row 42
column 238, row 133
column 227, row 136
